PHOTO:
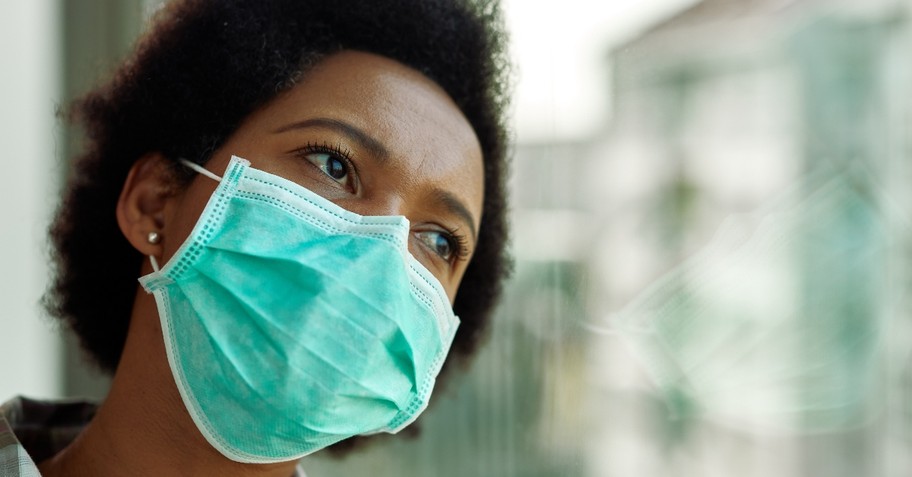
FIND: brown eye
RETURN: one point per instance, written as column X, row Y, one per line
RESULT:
column 331, row 165
column 440, row 243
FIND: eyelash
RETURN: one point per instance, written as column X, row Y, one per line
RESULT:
column 335, row 150
column 458, row 241
column 326, row 148
column 460, row 245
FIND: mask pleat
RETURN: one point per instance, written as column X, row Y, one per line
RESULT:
column 310, row 389
column 388, row 310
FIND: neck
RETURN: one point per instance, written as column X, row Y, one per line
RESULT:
column 143, row 427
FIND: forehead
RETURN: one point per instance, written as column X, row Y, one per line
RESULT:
column 430, row 141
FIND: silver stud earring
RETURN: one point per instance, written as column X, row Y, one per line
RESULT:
column 153, row 237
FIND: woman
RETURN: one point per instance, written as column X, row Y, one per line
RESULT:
column 308, row 192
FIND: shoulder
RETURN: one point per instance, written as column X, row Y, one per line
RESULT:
column 32, row 430
column 14, row 460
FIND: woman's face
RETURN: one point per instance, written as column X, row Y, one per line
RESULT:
column 374, row 137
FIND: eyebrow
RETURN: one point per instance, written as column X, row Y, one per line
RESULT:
column 455, row 206
column 375, row 147
column 449, row 201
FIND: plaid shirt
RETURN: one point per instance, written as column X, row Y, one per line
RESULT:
column 14, row 461
column 32, row 431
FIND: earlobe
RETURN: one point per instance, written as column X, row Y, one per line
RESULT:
column 143, row 201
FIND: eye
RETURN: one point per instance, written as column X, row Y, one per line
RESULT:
column 445, row 245
column 438, row 243
column 332, row 161
column 332, row 166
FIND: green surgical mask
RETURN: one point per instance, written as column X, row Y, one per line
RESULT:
column 291, row 323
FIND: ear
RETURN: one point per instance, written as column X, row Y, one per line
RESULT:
column 143, row 201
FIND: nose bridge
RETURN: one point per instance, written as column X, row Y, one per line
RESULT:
column 381, row 204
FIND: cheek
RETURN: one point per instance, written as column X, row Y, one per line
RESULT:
column 452, row 290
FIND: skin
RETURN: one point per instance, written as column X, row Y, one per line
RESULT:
column 431, row 172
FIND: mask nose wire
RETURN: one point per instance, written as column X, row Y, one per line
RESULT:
column 200, row 169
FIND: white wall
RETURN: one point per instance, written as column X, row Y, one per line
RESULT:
column 29, row 176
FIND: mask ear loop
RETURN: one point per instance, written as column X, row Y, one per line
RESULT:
column 200, row 169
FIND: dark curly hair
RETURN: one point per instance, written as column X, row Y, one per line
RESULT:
column 202, row 68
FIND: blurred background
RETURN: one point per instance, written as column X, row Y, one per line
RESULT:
column 711, row 212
